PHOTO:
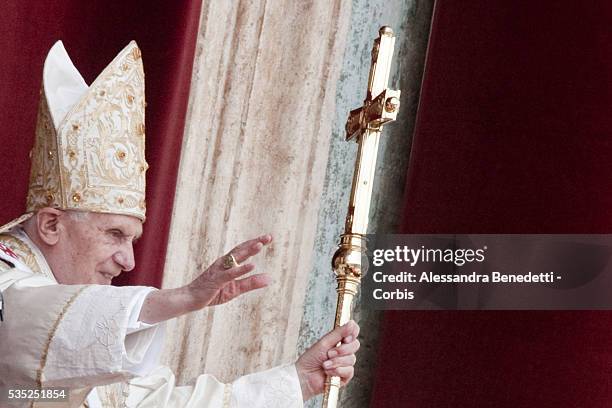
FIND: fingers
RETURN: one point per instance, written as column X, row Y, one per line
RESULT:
column 346, row 334
column 345, row 373
column 341, row 345
column 241, row 253
column 221, row 276
column 252, row 282
column 239, row 287
column 344, row 349
column 343, row 361
column 353, row 332
column 238, row 271
column 250, row 248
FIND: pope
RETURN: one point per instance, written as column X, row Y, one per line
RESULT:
column 63, row 324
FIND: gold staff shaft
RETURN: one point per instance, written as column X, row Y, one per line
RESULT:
column 364, row 125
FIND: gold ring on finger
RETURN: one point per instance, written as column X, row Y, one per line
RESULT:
column 229, row 261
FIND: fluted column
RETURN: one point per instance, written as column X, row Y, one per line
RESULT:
column 254, row 158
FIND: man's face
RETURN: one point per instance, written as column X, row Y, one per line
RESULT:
column 96, row 248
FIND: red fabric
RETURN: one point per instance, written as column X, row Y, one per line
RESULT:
column 513, row 135
column 93, row 33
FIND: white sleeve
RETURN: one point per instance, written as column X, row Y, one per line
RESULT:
column 100, row 340
column 74, row 336
column 275, row 388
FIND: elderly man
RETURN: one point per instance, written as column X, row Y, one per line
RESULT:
column 64, row 325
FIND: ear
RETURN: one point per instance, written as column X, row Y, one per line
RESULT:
column 48, row 224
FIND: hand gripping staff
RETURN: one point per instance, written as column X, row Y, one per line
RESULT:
column 364, row 125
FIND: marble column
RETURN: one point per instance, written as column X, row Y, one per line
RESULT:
column 254, row 158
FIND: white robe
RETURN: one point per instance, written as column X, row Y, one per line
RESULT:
column 86, row 336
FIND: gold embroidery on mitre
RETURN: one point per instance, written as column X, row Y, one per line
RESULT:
column 93, row 160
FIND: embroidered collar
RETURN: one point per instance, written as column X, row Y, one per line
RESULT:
column 16, row 244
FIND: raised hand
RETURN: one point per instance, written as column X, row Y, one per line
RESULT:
column 219, row 283
column 216, row 285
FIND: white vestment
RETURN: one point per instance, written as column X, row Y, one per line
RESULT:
column 87, row 336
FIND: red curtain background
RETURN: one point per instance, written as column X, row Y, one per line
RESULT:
column 93, row 32
column 513, row 135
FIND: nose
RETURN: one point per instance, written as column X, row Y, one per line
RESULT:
column 125, row 257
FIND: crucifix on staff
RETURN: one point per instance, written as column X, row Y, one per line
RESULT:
column 365, row 126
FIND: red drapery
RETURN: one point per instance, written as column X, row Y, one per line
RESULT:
column 513, row 135
column 93, row 33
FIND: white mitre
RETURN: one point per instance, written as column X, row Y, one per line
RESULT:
column 89, row 148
